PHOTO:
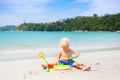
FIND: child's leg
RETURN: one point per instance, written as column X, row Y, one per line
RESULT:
column 81, row 67
column 45, row 66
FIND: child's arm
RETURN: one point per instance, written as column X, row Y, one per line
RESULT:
column 75, row 53
column 59, row 56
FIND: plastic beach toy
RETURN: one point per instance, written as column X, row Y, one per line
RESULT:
column 61, row 67
column 50, row 67
column 41, row 55
column 73, row 57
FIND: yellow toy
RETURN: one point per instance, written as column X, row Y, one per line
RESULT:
column 41, row 55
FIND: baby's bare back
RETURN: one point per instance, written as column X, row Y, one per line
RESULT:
column 65, row 55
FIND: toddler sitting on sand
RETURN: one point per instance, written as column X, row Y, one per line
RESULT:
column 64, row 56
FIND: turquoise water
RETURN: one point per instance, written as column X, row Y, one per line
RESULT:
column 14, row 45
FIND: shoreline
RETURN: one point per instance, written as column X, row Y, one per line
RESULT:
column 33, row 55
column 58, row 31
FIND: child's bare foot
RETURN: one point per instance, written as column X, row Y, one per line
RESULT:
column 86, row 68
column 43, row 66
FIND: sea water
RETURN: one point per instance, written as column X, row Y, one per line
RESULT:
column 22, row 45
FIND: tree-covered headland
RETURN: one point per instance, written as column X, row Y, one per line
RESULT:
column 80, row 23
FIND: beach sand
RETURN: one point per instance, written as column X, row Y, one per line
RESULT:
column 105, row 65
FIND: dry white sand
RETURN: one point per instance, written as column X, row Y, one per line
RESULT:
column 105, row 66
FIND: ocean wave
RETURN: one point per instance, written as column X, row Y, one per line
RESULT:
column 16, row 54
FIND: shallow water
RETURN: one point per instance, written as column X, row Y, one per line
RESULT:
column 22, row 45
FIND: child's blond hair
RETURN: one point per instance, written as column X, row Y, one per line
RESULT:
column 64, row 43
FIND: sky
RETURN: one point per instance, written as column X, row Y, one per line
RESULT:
column 15, row 12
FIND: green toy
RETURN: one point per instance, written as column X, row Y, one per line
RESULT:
column 73, row 57
column 41, row 55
